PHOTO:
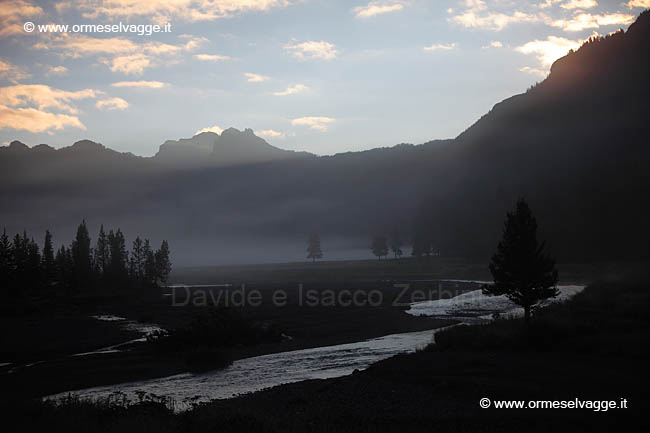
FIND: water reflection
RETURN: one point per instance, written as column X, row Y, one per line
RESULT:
column 254, row 374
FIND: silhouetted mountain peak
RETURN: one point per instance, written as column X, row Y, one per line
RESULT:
column 17, row 146
column 87, row 146
column 230, row 147
column 602, row 58
column 236, row 134
column 43, row 148
column 203, row 135
column 641, row 26
column 235, row 131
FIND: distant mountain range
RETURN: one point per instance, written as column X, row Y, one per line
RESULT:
column 207, row 149
column 576, row 146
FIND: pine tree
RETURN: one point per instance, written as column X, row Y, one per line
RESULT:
column 34, row 270
column 522, row 270
column 149, row 264
column 49, row 268
column 64, row 268
column 20, row 254
column 417, row 248
column 81, row 256
column 59, row 263
column 396, row 244
column 7, row 266
column 379, row 246
column 101, row 254
column 314, row 250
column 163, row 264
column 110, row 271
column 422, row 245
column 136, row 264
column 118, row 258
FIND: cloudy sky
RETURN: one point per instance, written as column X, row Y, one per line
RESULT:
column 324, row 76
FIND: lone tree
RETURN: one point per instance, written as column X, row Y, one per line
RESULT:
column 313, row 247
column 396, row 244
column 379, row 246
column 522, row 270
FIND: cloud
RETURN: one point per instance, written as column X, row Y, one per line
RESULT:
column 16, row 112
column 548, row 3
column 478, row 5
column 57, row 70
column 477, row 16
column 112, row 104
column 312, row 50
column 375, row 8
column 291, row 90
column 316, row 123
column 255, row 78
column 33, row 120
column 534, row 71
column 162, row 11
column 441, row 47
column 13, row 14
column 579, row 4
column 43, row 96
column 29, row 107
column 78, row 45
column 11, row 72
column 146, row 84
column 216, row 129
column 133, row 64
column 119, row 54
column 638, row 4
column 270, row 133
column 493, row 20
column 590, row 21
column 210, row 57
column 493, row 44
column 549, row 50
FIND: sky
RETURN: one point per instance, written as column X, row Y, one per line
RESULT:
column 324, row 76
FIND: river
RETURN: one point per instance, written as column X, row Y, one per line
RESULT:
column 260, row 372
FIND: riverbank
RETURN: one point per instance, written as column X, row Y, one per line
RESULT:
column 50, row 331
column 140, row 363
column 593, row 347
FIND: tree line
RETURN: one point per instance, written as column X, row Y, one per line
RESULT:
column 422, row 245
column 79, row 266
column 382, row 245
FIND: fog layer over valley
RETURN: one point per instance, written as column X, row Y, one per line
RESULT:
column 580, row 159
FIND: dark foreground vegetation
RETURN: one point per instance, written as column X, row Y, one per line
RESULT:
column 205, row 341
column 593, row 347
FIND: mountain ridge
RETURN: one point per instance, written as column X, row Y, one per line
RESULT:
column 20, row 146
